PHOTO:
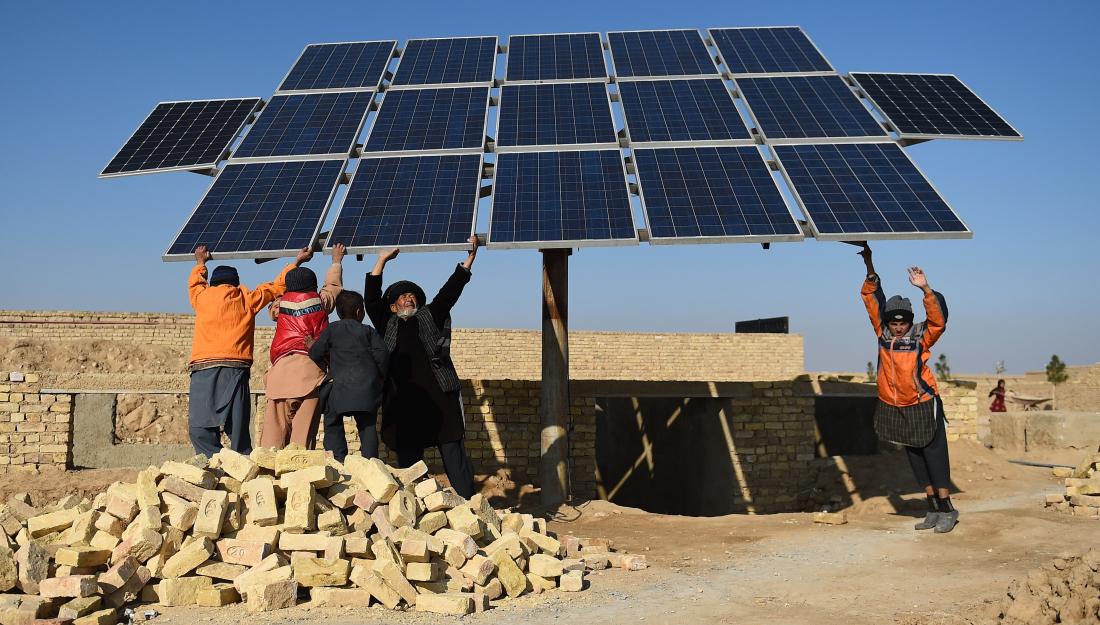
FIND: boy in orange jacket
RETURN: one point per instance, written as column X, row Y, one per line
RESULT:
column 221, row 352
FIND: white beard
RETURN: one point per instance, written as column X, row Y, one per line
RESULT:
column 405, row 313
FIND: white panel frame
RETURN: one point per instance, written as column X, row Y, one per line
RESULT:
column 233, row 159
column 419, row 247
column 375, row 87
column 554, row 147
column 800, row 140
column 599, row 37
column 437, row 151
column 565, row 243
column 748, row 238
column 729, row 73
column 260, row 103
column 685, row 144
column 611, row 50
column 266, row 254
column 874, row 236
column 926, row 137
column 428, row 85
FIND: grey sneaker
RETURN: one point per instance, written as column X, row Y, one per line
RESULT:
column 947, row 521
column 930, row 521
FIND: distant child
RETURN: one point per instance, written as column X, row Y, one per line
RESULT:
column 356, row 358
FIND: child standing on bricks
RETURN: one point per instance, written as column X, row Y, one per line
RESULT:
column 910, row 411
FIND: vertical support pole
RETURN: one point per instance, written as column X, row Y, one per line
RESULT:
column 554, row 394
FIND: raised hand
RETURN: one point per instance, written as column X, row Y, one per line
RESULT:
column 303, row 256
column 473, row 251
column 389, row 255
column 202, row 255
column 865, row 252
column 338, row 252
column 917, row 278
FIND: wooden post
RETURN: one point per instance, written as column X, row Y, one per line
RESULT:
column 554, row 394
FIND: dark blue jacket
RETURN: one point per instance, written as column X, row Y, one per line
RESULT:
column 356, row 360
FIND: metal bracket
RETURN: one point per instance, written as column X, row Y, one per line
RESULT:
column 212, row 171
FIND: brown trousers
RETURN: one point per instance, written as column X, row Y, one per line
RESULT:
column 292, row 420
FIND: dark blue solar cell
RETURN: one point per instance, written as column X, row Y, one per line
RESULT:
column 430, row 119
column 441, row 61
column 933, row 104
column 712, row 192
column 180, row 135
column 680, row 110
column 340, row 66
column 660, row 53
column 859, row 189
column 768, row 50
column 261, row 207
column 796, row 107
column 555, row 57
column 315, row 123
column 555, row 114
column 413, row 200
column 556, row 197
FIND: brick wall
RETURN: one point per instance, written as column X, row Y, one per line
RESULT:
column 960, row 404
column 489, row 354
column 35, row 428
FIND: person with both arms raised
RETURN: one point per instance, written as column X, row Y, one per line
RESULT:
column 422, row 407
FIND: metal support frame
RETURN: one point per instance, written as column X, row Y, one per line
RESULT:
column 554, row 400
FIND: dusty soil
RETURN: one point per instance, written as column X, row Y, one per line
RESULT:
column 758, row 569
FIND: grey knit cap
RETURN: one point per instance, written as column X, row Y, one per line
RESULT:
column 898, row 308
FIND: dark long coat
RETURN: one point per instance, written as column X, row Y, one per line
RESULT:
column 357, row 360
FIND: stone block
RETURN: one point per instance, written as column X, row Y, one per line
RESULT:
column 544, row 566
column 295, row 459
column 33, row 561
column 211, row 513
column 303, row 542
column 372, row 582
column 51, row 522
column 424, row 571
column 180, row 488
column 260, row 534
column 146, row 488
column 393, row 577
column 264, row 457
column 242, row 552
column 9, row 572
column 431, row 522
column 104, row 541
column 411, row 474
column 381, row 520
column 314, row 571
column 189, row 473
column 546, row 544
column 414, row 551
column 180, row 513
column 321, row 476
column 480, row 506
column 78, row 607
column 188, row 558
column 130, row 590
column 339, row 597
column 508, row 542
column 121, row 507
column 479, row 569
column 511, row 577
column 454, row 556
column 272, row 596
column 106, row 616
column 540, row 584
column 332, row 521
column 82, row 556
column 403, row 509
column 442, row 500
column 10, row 524
column 427, row 487
column 114, row 525
column 217, row 595
column 116, row 576
column 458, row 539
column 83, row 528
column 365, row 501
column 359, row 521
column 633, row 562
column 342, row 495
column 446, row 603
column 272, row 569
column 259, row 502
column 493, row 590
column 572, row 581
column 71, row 586
column 141, row 545
column 220, row 570
column 235, row 465
column 1090, row 501
column 181, row 591
column 299, row 514
column 373, row 475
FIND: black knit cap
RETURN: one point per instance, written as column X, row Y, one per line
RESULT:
column 224, row 274
column 401, row 287
column 301, row 280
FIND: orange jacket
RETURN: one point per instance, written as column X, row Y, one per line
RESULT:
column 225, row 316
column 904, row 378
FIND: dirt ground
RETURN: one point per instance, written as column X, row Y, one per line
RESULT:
column 776, row 569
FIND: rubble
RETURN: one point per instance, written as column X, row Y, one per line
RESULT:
column 276, row 528
column 1082, row 489
column 1064, row 590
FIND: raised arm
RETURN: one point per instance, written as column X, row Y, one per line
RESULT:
column 935, row 307
column 377, row 309
column 196, row 282
column 334, row 278
column 448, row 295
column 871, row 292
column 265, row 293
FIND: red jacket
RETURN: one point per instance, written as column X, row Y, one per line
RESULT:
column 300, row 315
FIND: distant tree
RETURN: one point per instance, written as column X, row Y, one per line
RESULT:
column 943, row 370
column 870, row 371
column 1000, row 367
column 1056, row 370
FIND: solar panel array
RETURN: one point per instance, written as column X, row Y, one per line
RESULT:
column 933, row 105
column 182, row 135
column 447, row 61
column 560, row 175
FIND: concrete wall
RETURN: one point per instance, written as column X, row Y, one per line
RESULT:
column 1045, row 430
column 489, row 354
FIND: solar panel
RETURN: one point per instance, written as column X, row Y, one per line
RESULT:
column 714, row 194
column 182, row 135
column 260, row 210
column 660, row 53
column 576, row 113
column 430, row 119
column 561, row 199
column 555, row 57
column 443, row 61
column 680, row 110
column 771, row 50
column 933, row 105
column 340, row 66
column 861, row 191
column 301, row 125
column 425, row 201
column 799, row 107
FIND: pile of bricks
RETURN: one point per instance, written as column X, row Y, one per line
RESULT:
column 276, row 526
column 1082, row 494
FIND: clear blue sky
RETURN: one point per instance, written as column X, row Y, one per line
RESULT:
column 80, row 76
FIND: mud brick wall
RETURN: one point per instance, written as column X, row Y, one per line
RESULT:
column 960, row 405
column 486, row 354
column 35, row 428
